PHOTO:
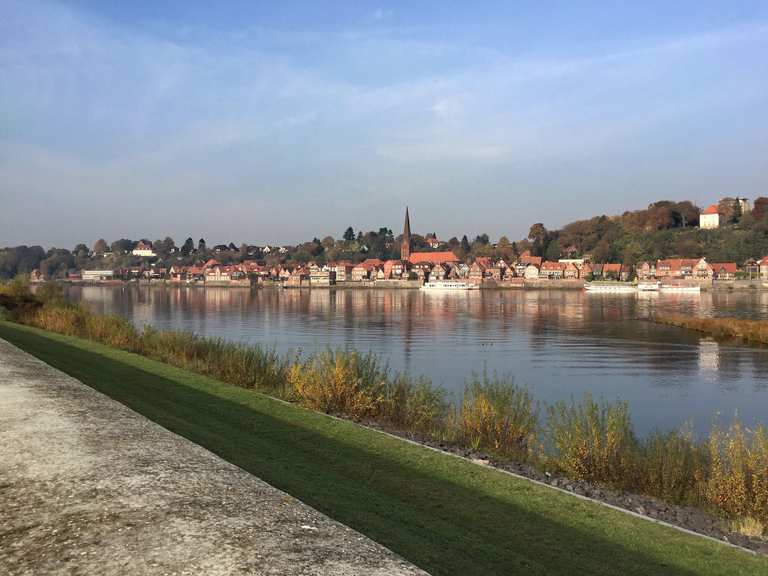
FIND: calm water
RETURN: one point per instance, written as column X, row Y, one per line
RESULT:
column 559, row 343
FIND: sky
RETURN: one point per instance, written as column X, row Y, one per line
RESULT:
column 277, row 122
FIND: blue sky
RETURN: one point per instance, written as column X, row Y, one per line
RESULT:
column 277, row 122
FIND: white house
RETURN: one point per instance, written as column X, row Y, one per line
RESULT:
column 710, row 217
column 143, row 249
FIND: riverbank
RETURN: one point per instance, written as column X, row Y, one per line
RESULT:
column 445, row 514
column 755, row 331
column 584, row 441
column 92, row 487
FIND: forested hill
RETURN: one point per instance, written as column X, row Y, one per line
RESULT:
column 664, row 230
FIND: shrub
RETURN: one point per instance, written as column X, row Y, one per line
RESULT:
column 593, row 442
column 673, row 465
column 248, row 366
column 111, row 330
column 748, row 527
column 50, row 294
column 69, row 320
column 498, row 416
column 339, row 382
column 748, row 330
column 415, row 406
column 738, row 480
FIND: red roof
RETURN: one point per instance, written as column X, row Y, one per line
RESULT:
column 677, row 263
column 370, row 263
column 526, row 258
column 713, row 209
column 612, row 268
column 433, row 257
column 727, row 267
column 553, row 266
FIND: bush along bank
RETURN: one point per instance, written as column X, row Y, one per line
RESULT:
column 585, row 446
column 755, row 331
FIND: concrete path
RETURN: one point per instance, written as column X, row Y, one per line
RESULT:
column 88, row 486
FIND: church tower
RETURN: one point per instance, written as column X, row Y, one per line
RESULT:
column 405, row 244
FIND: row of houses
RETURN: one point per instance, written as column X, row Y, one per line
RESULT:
column 482, row 270
column 417, row 269
column 691, row 268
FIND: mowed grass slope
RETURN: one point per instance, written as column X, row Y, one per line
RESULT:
column 444, row 514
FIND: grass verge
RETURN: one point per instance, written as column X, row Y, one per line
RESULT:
column 444, row 514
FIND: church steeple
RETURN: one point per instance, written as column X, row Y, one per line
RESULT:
column 405, row 244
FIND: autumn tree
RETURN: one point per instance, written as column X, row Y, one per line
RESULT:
column 760, row 208
column 100, row 246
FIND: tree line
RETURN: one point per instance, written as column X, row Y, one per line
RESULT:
column 665, row 229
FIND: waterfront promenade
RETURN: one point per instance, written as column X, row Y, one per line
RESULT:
column 88, row 486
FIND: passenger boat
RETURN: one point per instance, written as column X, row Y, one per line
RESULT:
column 680, row 288
column 648, row 286
column 610, row 287
column 441, row 285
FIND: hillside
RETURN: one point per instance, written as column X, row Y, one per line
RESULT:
column 664, row 230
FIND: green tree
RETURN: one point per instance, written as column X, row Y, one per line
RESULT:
column 553, row 251
column 349, row 234
column 328, row 242
column 187, row 247
column 538, row 235
column 122, row 246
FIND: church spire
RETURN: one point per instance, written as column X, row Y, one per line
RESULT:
column 405, row 245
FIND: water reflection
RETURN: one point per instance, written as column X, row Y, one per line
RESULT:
column 560, row 343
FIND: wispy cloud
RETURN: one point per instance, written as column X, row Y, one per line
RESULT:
column 93, row 109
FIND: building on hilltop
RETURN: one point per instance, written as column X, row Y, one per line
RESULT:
column 710, row 217
column 144, row 249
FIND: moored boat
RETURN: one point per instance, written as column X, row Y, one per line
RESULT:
column 681, row 288
column 648, row 286
column 450, row 285
column 610, row 287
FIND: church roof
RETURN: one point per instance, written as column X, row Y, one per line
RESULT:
column 433, row 257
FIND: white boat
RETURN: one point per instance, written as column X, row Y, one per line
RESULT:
column 678, row 288
column 449, row 285
column 648, row 286
column 610, row 287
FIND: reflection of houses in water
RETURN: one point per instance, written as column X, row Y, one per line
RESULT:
column 709, row 355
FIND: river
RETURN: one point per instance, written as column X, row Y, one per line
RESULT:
column 559, row 343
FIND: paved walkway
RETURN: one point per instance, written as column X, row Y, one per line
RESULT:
column 89, row 487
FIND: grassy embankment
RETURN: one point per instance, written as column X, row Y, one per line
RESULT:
column 445, row 514
column 728, row 472
column 737, row 328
